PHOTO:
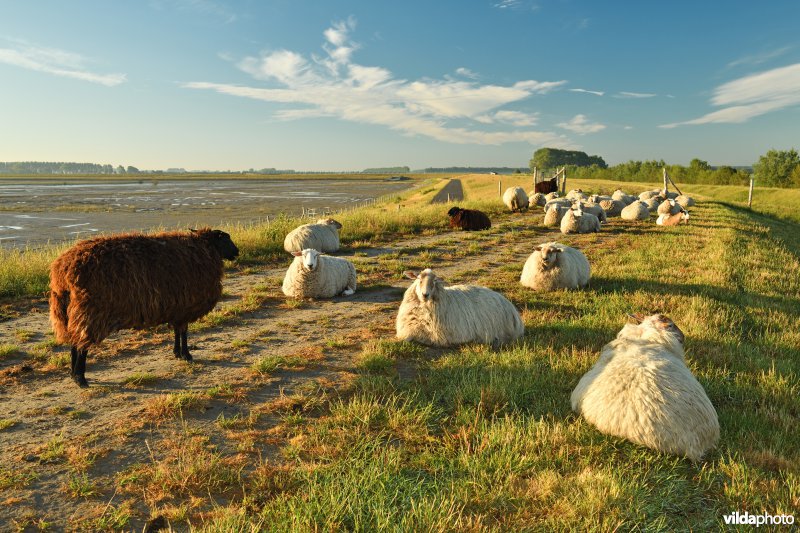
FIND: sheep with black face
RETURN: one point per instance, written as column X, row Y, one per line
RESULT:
column 133, row 280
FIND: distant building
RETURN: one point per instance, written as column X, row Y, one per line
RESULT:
column 176, row 170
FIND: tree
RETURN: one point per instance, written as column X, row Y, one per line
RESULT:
column 776, row 167
column 132, row 170
column 553, row 157
column 699, row 164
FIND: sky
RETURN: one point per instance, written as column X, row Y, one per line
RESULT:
column 347, row 85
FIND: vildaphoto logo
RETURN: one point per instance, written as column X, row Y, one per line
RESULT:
column 765, row 519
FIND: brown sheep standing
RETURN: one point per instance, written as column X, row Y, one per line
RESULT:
column 468, row 219
column 105, row 284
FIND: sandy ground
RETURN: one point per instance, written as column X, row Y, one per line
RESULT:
column 112, row 422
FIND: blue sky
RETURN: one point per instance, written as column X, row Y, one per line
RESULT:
column 345, row 85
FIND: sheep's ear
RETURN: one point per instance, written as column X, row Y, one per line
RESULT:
column 297, row 254
column 410, row 274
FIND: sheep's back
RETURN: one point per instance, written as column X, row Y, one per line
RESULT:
column 320, row 237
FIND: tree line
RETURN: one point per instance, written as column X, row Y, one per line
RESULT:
column 42, row 167
column 776, row 168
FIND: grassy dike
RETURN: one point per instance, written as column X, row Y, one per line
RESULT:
column 469, row 439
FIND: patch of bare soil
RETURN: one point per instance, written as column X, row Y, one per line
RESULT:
column 81, row 459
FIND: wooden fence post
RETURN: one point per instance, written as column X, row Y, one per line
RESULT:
column 563, row 181
column 750, row 194
column 664, row 173
column 500, row 188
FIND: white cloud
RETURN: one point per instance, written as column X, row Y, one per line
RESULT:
column 757, row 59
column 628, row 94
column 752, row 96
column 467, row 73
column 581, row 125
column 53, row 61
column 334, row 86
column 587, row 91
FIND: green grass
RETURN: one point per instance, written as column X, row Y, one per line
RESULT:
column 477, row 439
column 7, row 350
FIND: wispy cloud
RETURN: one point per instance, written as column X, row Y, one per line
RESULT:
column 467, row 73
column 759, row 58
column 581, row 125
column 333, row 85
column 752, row 96
column 587, row 91
column 54, row 61
column 516, row 4
column 628, row 94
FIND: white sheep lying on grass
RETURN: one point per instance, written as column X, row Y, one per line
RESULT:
column 537, row 199
column 641, row 390
column 620, row 195
column 551, row 196
column 576, row 221
column 515, row 199
column 595, row 209
column 613, row 208
column 636, row 211
column 669, row 207
column 685, row 201
column 322, row 236
column 555, row 213
column 436, row 315
column 314, row 275
column 576, row 194
column 555, row 266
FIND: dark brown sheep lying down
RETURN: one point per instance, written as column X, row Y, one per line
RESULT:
column 468, row 219
column 137, row 281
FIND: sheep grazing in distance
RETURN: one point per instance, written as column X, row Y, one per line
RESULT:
column 437, row 315
column 673, row 220
column 515, row 199
column 576, row 221
column 547, row 186
column 685, row 201
column 314, row 275
column 555, row 213
column 468, row 219
column 669, row 207
column 555, row 266
column 537, row 199
column 613, row 208
column 106, row 284
column 636, row 211
column 640, row 389
column 322, row 236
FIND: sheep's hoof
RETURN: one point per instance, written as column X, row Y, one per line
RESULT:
column 81, row 381
column 348, row 292
column 186, row 356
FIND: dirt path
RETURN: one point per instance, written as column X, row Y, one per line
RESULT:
column 452, row 192
column 60, row 430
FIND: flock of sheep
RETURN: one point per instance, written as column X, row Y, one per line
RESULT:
column 640, row 388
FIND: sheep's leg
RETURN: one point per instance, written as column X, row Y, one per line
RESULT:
column 176, row 348
column 78, row 371
column 185, row 344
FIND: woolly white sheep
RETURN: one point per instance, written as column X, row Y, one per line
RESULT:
column 653, row 203
column 636, row 211
column 322, row 236
column 537, row 199
column 555, row 213
column 555, row 266
column 314, row 275
column 436, row 315
column 646, row 195
column 685, row 201
column 576, row 221
column 563, row 202
column 620, row 195
column 551, row 196
column 515, row 199
column 613, row 208
column 597, row 198
column 641, row 390
column 595, row 209
column 669, row 207
column 576, row 194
